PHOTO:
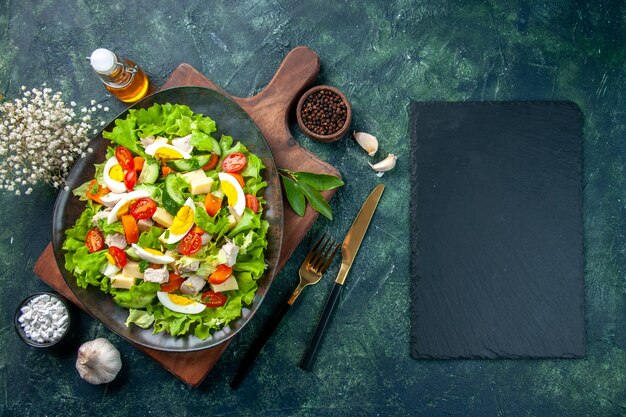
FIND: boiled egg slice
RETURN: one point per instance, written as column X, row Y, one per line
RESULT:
column 114, row 176
column 121, row 207
column 182, row 224
column 152, row 255
column 233, row 192
column 179, row 303
column 166, row 151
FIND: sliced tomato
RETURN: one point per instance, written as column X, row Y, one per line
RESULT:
column 102, row 191
column 124, row 158
column 143, row 208
column 190, row 244
column 212, row 204
column 212, row 163
column 252, row 202
column 173, row 284
column 234, row 162
column 130, row 228
column 221, row 274
column 138, row 162
column 94, row 240
column 130, row 180
column 213, row 299
column 118, row 256
column 197, row 230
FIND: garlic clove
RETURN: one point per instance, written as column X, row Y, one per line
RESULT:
column 385, row 165
column 367, row 142
column 98, row 361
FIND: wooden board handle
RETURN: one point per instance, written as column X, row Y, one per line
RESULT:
column 270, row 108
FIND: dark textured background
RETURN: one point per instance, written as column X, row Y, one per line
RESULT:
column 381, row 54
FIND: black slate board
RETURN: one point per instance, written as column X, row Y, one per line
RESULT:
column 497, row 247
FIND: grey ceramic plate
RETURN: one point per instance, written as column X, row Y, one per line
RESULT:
column 231, row 120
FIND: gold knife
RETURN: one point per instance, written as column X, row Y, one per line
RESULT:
column 349, row 249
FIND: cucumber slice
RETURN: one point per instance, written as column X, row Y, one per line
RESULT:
column 173, row 198
column 216, row 147
column 150, row 172
column 192, row 164
column 151, row 188
column 130, row 252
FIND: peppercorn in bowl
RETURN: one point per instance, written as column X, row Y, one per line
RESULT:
column 324, row 113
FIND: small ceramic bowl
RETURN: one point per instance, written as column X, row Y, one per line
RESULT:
column 31, row 342
column 324, row 138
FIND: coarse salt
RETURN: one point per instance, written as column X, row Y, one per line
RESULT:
column 44, row 319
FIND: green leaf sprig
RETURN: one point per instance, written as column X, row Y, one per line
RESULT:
column 307, row 186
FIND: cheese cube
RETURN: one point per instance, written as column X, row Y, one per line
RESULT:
column 131, row 270
column 232, row 222
column 120, row 281
column 228, row 285
column 194, row 175
column 201, row 185
column 162, row 217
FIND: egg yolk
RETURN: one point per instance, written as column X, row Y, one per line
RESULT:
column 116, row 173
column 153, row 251
column 231, row 193
column 124, row 208
column 182, row 221
column 110, row 258
column 167, row 153
column 180, row 300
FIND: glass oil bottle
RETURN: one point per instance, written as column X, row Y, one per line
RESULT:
column 121, row 76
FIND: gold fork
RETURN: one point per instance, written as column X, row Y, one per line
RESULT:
column 311, row 271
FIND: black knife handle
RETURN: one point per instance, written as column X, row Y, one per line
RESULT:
column 307, row 359
column 257, row 345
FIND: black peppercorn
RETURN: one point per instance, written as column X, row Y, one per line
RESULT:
column 324, row 112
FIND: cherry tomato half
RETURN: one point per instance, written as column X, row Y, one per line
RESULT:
column 124, row 158
column 212, row 163
column 144, row 208
column 221, row 274
column 252, row 202
column 94, row 240
column 118, row 256
column 190, row 244
column 130, row 180
column 173, row 284
column 234, row 162
column 213, row 299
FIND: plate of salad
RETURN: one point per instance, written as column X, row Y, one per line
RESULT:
column 171, row 227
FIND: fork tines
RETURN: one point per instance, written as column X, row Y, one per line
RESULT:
column 322, row 254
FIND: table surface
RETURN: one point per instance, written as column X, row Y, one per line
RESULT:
column 381, row 55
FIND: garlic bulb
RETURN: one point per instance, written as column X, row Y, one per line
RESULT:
column 385, row 165
column 367, row 142
column 98, row 361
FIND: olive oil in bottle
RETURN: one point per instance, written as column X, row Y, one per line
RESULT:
column 121, row 76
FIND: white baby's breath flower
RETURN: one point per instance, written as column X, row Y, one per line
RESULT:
column 40, row 139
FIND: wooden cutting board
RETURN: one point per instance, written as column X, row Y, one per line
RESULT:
column 269, row 109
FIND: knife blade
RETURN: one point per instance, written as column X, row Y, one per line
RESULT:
column 349, row 250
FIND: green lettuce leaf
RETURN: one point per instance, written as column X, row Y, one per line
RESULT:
column 138, row 296
column 124, row 134
column 141, row 318
column 110, row 229
column 150, row 238
column 204, row 142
